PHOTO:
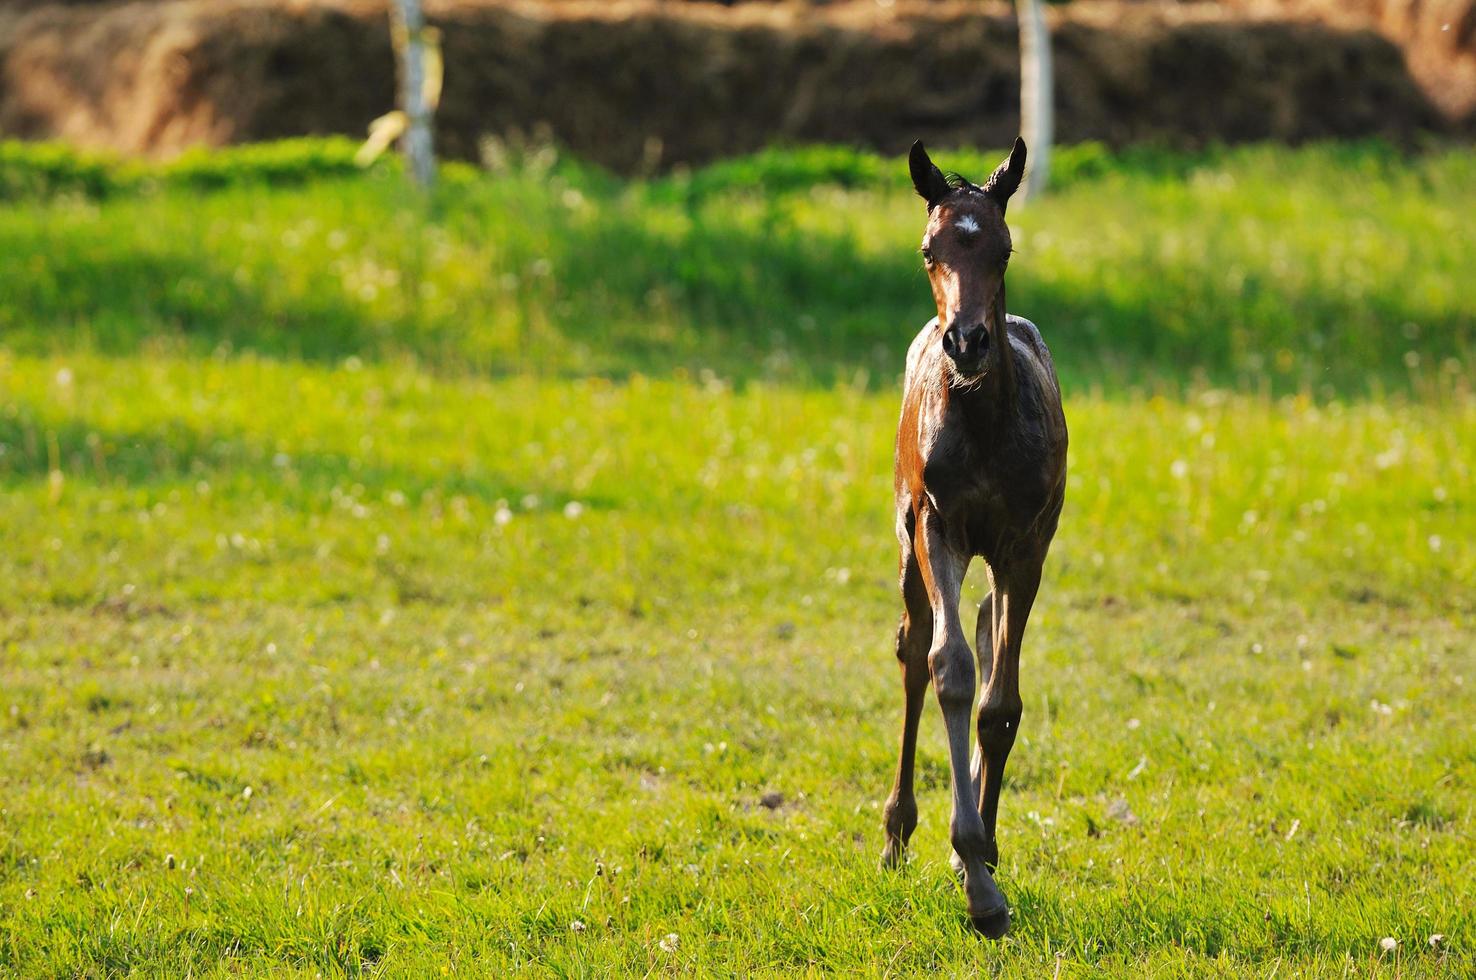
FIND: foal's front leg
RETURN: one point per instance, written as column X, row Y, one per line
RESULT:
column 1000, row 631
column 951, row 665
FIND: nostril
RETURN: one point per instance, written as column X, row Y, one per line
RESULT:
column 950, row 344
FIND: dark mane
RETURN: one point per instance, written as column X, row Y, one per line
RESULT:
column 959, row 182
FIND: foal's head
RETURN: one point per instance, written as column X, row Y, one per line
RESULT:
column 966, row 247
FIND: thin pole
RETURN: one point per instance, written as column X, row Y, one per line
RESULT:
column 1037, row 106
column 409, row 40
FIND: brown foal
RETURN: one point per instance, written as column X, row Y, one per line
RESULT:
column 980, row 471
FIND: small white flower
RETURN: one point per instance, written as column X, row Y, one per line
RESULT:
column 670, row 942
column 1388, row 944
column 576, row 926
column 573, row 509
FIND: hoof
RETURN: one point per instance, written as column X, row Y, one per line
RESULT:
column 891, row 856
column 993, row 923
column 988, row 910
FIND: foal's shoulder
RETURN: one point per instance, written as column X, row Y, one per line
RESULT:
column 1027, row 339
column 920, row 343
column 1023, row 329
column 919, row 346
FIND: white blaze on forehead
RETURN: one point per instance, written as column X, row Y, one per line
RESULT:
column 967, row 225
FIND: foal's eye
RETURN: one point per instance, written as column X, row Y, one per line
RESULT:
column 927, row 255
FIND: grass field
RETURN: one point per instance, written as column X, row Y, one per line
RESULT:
column 510, row 586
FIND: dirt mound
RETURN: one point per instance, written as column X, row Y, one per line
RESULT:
column 638, row 83
column 1438, row 38
column 158, row 77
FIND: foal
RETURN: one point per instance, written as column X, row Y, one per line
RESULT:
column 980, row 470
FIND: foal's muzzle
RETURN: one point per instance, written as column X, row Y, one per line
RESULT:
column 967, row 347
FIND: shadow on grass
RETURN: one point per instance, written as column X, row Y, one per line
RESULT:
column 118, row 300
column 773, row 301
column 177, row 453
column 663, row 288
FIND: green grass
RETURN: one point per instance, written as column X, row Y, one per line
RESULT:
column 1331, row 270
column 452, row 627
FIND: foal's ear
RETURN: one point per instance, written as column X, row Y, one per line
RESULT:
column 1006, row 177
column 926, row 177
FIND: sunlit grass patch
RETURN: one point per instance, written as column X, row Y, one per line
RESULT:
column 313, row 667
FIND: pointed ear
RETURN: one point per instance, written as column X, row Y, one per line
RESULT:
column 1006, row 177
column 926, row 177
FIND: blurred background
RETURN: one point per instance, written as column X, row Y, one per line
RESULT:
column 632, row 85
column 484, row 562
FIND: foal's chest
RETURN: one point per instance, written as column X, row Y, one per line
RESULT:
column 987, row 491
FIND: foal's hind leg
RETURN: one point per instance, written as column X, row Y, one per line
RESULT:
column 984, row 651
column 914, row 635
column 1002, row 618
